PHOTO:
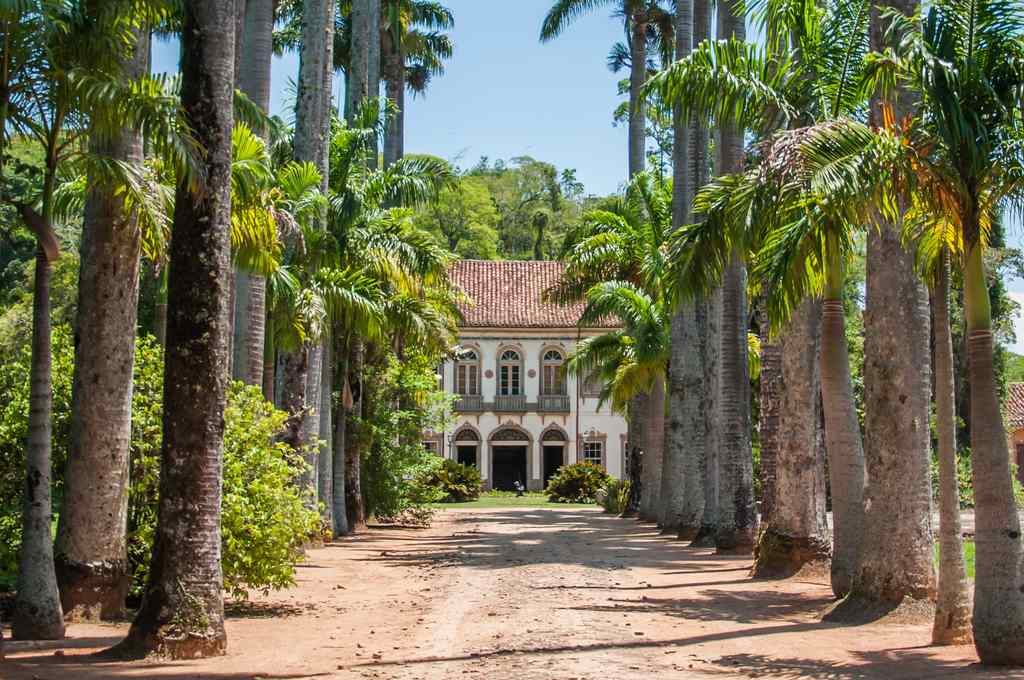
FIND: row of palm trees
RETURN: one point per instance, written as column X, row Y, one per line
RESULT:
column 872, row 121
column 314, row 245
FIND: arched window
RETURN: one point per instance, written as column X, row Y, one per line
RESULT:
column 467, row 373
column 552, row 373
column 510, row 369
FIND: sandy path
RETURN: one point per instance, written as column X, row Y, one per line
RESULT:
column 528, row 594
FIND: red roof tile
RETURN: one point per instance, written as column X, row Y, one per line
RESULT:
column 1014, row 406
column 507, row 294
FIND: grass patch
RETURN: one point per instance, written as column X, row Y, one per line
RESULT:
column 968, row 557
column 508, row 499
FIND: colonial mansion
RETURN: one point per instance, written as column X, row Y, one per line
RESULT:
column 519, row 415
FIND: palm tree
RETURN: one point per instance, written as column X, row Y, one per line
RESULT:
column 896, row 566
column 302, row 370
column 637, row 14
column 967, row 65
column 413, row 52
column 762, row 88
column 182, row 612
column 61, row 83
column 625, row 241
column 255, row 51
column 794, row 533
column 91, row 546
column 737, row 513
column 952, row 605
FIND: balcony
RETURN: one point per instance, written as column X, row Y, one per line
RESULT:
column 512, row 403
column 553, row 403
column 469, row 403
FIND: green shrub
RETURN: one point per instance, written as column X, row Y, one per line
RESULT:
column 615, row 496
column 577, row 483
column 459, row 483
column 264, row 519
column 394, row 461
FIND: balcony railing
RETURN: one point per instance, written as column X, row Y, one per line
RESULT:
column 554, row 403
column 512, row 403
column 468, row 403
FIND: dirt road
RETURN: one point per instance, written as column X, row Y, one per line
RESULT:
column 528, row 594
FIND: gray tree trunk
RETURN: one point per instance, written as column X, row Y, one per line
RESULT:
column 678, row 434
column 325, row 473
column 998, row 618
column 896, row 556
column 844, row 447
column 953, row 605
column 182, row 612
column 313, row 108
column 770, row 399
column 354, row 506
column 737, row 510
column 637, row 109
column 896, row 552
column 37, row 610
column 654, row 451
column 358, row 75
column 712, row 343
column 339, row 514
column 394, row 77
column 638, row 445
column 254, row 54
column 795, row 534
column 91, row 549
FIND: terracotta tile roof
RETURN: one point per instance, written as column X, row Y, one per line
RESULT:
column 1014, row 406
column 507, row 294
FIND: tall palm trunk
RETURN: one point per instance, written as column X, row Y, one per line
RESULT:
column 842, row 435
column 737, row 512
column 182, row 612
column 686, row 429
column 654, row 452
column 91, row 549
column 358, row 88
column 339, row 515
column 896, row 557
column 769, row 404
column 678, row 430
column 794, row 533
column 354, row 436
column 394, row 77
column 637, row 78
column 711, row 343
column 638, row 445
column 952, row 607
column 896, row 553
column 313, row 109
column 998, row 620
column 325, row 473
column 37, row 610
column 254, row 56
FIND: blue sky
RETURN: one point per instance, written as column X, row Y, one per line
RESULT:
column 507, row 95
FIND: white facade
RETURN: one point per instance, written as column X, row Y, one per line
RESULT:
column 522, row 422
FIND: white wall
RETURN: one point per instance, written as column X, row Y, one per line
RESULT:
column 607, row 426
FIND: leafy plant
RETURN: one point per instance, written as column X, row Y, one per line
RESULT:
column 459, row 483
column 615, row 496
column 577, row 483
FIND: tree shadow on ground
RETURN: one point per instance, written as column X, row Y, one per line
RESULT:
column 891, row 664
column 745, row 606
column 609, row 542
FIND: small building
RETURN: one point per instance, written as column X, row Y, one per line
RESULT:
column 519, row 415
column 1014, row 414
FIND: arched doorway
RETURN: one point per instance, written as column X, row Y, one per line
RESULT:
column 553, row 443
column 467, row 447
column 510, row 455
